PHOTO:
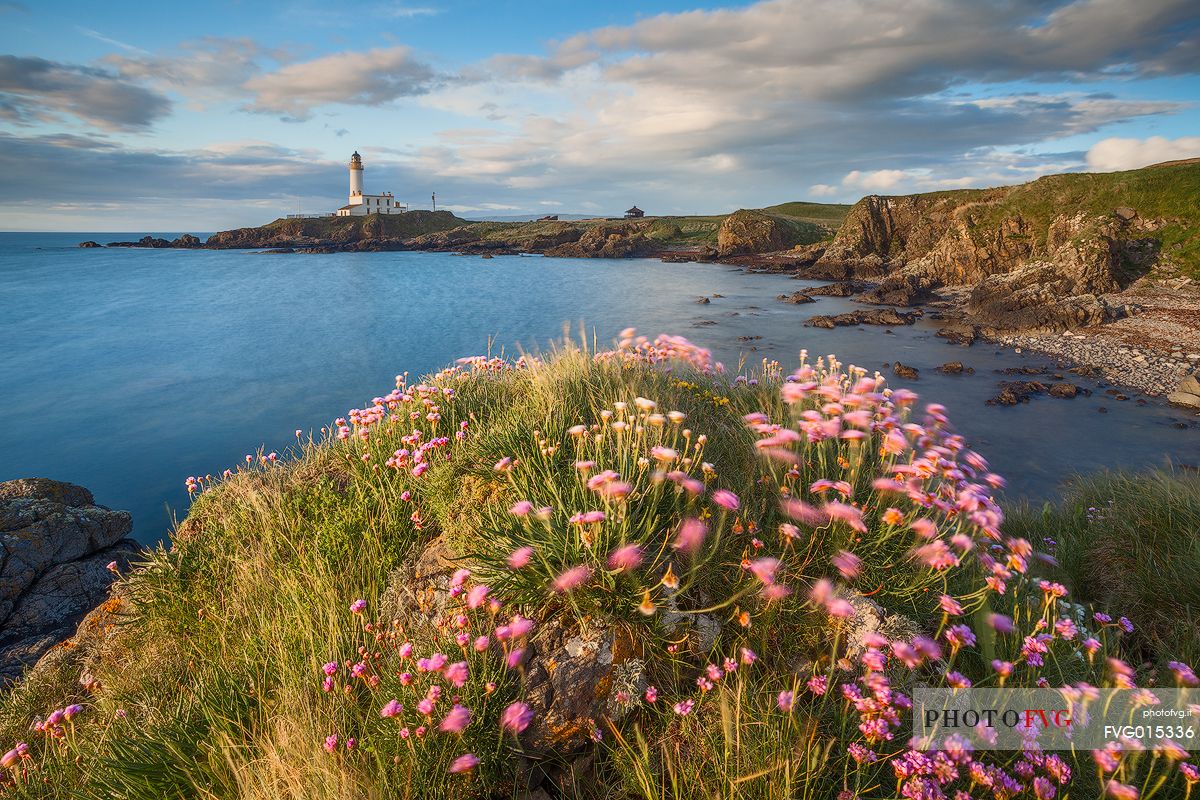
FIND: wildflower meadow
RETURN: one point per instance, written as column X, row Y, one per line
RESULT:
column 779, row 557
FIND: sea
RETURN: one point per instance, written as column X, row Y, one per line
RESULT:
column 128, row 370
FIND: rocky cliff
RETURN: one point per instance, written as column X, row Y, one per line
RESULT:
column 380, row 230
column 1039, row 255
column 61, row 552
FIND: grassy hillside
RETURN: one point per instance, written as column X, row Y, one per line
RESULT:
column 829, row 215
column 1170, row 193
column 379, row 613
column 1164, row 201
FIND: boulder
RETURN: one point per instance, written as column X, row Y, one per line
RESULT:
column 1013, row 392
column 1063, row 390
column 90, row 243
column 745, row 232
column 574, row 668
column 57, row 545
column 900, row 290
column 905, row 371
column 1187, row 394
column 796, row 298
column 955, row 368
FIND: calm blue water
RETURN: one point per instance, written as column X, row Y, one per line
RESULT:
column 128, row 370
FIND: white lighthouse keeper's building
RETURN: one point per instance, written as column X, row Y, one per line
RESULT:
column 362, row 204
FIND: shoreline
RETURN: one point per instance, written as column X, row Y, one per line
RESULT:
column 1149, row 352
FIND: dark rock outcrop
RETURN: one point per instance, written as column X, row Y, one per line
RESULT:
column 905, row 371
column 877, row 316
column 1013, row 392
column 184, row 242
column 796, row 298
column 57, row 544
column 842, row 289
column 960, row 334
column 607, row 241
column 90, row 243
column 955, row 368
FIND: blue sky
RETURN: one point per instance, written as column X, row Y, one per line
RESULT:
column 201, row 116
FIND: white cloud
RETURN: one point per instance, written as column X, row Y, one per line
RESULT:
column 1110, row 155
column 876, row 180
column 822, row 190
column 368, row 78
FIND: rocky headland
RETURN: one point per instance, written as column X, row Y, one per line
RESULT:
column 1099, row 269
column 61, row 553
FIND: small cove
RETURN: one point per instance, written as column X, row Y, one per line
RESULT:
column 128, row 370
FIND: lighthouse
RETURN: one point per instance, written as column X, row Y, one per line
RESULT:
column 356, row 176
column 362, row 204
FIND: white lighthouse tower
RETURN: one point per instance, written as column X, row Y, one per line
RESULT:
column 362, row 204
column 356, row 176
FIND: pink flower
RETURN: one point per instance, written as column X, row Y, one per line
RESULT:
column 477, row 595
column 748, row 656
column 840, row 608
column 784, row 701
column 520, row 626
column 457, row 673
column 455, row 720
column 949, row 605
column 521, row 508
column 691, row 536
column 464, row 763
column 625, row 558
column 804, row 513
column 1120, row 791
column 764, row 569
column 513, row 660
column 520, row 557
column 516, row 717
column 571, row 578
column 684, row 707
column 924, row 528
column 481, row 643
column 391, row 709
column 845, row 513
column 848, row 564
column 331, row 743
column 651, row 694
column 330, row 668
column 726, row 499
column 358, row 606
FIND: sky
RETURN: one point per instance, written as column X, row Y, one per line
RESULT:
column 130, row 116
